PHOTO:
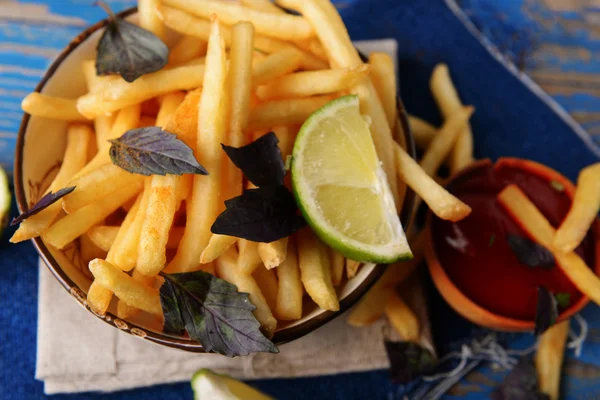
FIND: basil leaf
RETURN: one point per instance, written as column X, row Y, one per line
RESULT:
column 530, row 253
column 128, row 50
column 44, row 202
column 520, row 384
column 546, row 310
column 260, row 161
column 264, row 214
column 214, row 313
column 563, row 299
column 408, row 361
column 152, row 151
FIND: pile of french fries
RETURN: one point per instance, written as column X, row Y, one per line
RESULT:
column 239, row 70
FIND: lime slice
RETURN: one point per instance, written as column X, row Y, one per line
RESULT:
column 341, row 188
column 210, row 386
column 5, row 199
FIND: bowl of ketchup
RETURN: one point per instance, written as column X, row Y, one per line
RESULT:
column 471, row 262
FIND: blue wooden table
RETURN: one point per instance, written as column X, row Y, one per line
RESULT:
column 556, row 42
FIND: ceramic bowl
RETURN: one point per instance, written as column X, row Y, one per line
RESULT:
column 453, row 294
column 40, row 147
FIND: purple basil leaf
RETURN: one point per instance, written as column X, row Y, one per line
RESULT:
column 530, row 253
column 213, row 312
column 260, row 161
column 152, row 151
column 128, row 50
column 520, row 384
column 408, row 361
column 546, row 310
column 264, row 214
column 44, row 202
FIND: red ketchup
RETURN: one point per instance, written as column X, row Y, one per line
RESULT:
column 475, row 254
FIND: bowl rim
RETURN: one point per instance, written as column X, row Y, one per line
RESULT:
column 280, row 337
column 470, row 309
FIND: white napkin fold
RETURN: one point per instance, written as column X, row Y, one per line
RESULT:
column 77, row 352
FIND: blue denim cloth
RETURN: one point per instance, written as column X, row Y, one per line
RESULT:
column 510, row 121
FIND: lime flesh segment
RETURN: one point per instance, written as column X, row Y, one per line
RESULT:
column 341, row 188
column 208, row 385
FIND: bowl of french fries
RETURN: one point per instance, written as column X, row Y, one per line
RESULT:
column 129, row 159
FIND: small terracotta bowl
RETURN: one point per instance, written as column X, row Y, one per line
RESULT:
column 455, row 297
column 40, row 148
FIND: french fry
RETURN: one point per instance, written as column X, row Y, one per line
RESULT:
column 316, row 277
column 314, row 47
column 526, row 214
column 227, row 269
column 96, row 184
column 184, row 187
column 44, row 106
column 310, row 83
column 124, row 310
column 403, row 319
column 352, row 268
column 116, row 93
column 290, row 291
column 274, row 253
column 267, row 282
column 275, row 65
column 383, row 75
column 249, row 259
column 125, row 287
column 423, row 132
column 184, row 123
column 549, row 357
column 440, row 201
column 146, row 121
column 283, row 26
column 89, row 251
column 188, row 48
column 265, row 6
column 79, row 137
column 204, row 203
column 92, row 80
column 337, row 267
column 449, row 103
column 98, row 298
column 284, row 112
column 69, row 228
column 104, row 236
column 148, row 18
column 583, row 212
column 443, row 142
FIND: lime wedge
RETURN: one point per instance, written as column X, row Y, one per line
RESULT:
column 5, row 199
column 210, row 386
column 341, row 188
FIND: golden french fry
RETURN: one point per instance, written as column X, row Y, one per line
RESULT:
column 352, row 268
column 42, row 105
column 227, row 269
column 526, row 214
column 217, row 245
column 79, row 137
column 104, row 236
column 283, row 26
column 310, row 83
column 96, row 184
column 403, row 319
column 276, row 64
column 148, row 18
column 443, row 142
column 249, row 259
column 102, row 127
column 89, row 250
column 184, row 123
column 267, row 282
column 290, row 291
column 116, row 93
column 125, row 287
column 316, row 277
column 583, row 212
column 440, row 201
column 98, row 298
column 189, row 48
column 449, row 103
column 92, row 80
column 274, row 253
column 124, row 310
column 383, row 75
column 370, row 308
column 290, row 111
column 337, row 267
column 204, row 204
column 313, row 46
column 69, row 228
column 265, row 6
column 423, row 132
column 548, row 358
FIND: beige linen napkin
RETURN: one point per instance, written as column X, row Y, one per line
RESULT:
column 77, row 352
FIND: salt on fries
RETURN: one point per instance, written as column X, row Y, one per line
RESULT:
column 269, row 71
